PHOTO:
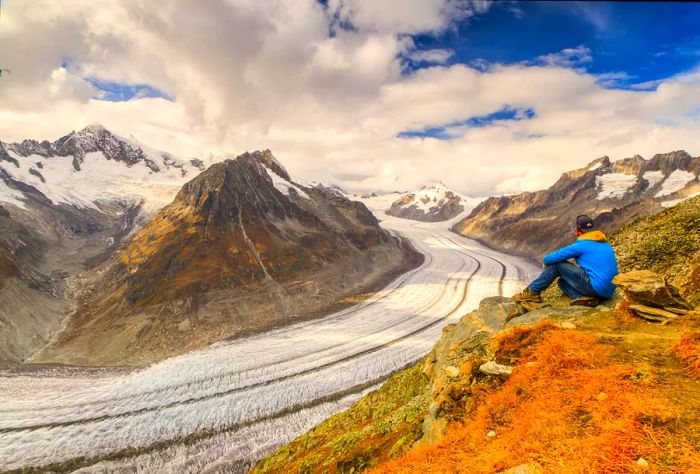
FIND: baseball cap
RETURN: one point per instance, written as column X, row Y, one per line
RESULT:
column 585, row 223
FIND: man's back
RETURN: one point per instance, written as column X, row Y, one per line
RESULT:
column 595, row 256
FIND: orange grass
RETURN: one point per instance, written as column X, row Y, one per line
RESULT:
column 567, row 407
column 688, row 351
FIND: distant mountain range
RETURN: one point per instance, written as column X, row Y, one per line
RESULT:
column 431, row 203
column 614, row 193
column 240, row 248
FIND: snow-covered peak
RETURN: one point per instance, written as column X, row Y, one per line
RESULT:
column 434, row 193
column 432, row 202
column 437, row 186
column 86, row 167
column 93, row 128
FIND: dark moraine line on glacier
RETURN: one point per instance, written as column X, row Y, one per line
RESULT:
column 402, row 280
column 194, row 437
column 503, row 267
column 77, row 463
column 461, row 245
column 278, row 379
column 436, row 287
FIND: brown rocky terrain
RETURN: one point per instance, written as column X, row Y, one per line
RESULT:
column 614, row 193
column 240, row 249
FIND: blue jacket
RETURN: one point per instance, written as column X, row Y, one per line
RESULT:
column 595, row 256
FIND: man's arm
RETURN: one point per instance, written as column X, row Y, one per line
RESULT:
column 563, row 254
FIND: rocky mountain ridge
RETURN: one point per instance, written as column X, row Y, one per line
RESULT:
column 613, row 192
column 91, row 166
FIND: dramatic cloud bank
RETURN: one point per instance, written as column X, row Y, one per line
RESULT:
column 329, row 89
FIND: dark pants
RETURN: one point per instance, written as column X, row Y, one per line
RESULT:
column 573, row 281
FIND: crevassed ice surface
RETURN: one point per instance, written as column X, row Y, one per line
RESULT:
column 224, row 407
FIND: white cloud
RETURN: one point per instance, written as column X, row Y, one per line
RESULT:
column 404, row 16
column 568, row 57
column 329, row 101
column 613, row 78
column 433, row 56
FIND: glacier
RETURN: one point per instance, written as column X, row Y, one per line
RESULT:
column 226, row 406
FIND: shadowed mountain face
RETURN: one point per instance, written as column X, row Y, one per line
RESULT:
column 241, row 248
column 533, row 224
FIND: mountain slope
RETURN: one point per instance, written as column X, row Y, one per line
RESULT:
column 432, row 203
column 532, row 224
column 64, row 208
column 241, row 248
column 577, row 386
column 667, row 243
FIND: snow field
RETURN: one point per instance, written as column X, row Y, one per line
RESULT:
column 614, row 185
column 675, row 182
column 98, row 179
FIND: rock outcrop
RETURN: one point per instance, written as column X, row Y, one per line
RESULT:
column 651, row 297
column 644, row 287
column 558, row 375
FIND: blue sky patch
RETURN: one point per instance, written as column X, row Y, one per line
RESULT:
column 119, row 92
column 627, row 43
column 454, row 130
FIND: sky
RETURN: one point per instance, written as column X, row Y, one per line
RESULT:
column 489, row 97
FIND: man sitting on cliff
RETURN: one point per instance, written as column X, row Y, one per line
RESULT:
column 589, row 281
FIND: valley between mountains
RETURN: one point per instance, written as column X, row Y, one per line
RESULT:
column 159, row 315
column 222, row 408
column 197, row 330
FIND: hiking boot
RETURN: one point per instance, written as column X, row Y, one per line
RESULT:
column 527, row 296
column 589, row 301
